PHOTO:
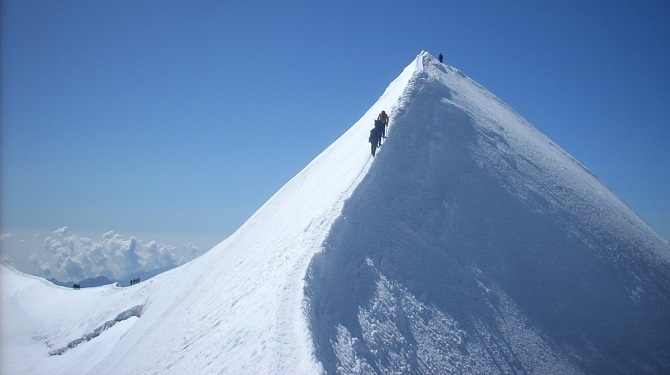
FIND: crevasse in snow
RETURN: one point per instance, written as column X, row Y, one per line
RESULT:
column 470, row 244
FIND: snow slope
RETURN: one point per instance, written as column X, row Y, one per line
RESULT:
column 236, row 309
column 474, row 244
column 471, row 243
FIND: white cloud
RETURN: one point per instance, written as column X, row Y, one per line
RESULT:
column 69, row 257
column 6, row 236
column 61, row 231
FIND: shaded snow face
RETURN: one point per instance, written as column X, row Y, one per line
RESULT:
column 474, row 243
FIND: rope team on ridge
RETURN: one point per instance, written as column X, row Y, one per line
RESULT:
column 382, row 121
column 378, row 132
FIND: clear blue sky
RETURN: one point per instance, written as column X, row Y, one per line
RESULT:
column 175, row 121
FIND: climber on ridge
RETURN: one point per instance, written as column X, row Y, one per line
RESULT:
column 374, row 140
column 378, row 132
column 384, row 118
column 379, row 128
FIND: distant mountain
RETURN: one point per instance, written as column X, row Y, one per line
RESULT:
column 471, row 243
column 88, row 283
column 67, row 284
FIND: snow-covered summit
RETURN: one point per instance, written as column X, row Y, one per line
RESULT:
column 470, row 243
column 474, row 244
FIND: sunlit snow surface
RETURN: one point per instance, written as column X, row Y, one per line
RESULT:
column 470, row 244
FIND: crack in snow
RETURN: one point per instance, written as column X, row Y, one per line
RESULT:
column 135, row 311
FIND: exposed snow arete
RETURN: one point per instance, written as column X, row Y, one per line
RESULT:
column 470, row 244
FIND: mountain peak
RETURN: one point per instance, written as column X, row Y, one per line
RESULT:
column 475, row 231
column 470, row 243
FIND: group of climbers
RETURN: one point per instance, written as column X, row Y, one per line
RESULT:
column 378, row 132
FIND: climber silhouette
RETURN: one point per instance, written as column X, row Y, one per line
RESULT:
column 379, row 126
column 384, row 118
column 374, row 140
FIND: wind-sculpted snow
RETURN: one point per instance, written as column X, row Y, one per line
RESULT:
column 405, row 335
column 476, row 245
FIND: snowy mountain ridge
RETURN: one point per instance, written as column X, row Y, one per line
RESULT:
column 241, row 328
column 495, row 238
column 471, row 243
